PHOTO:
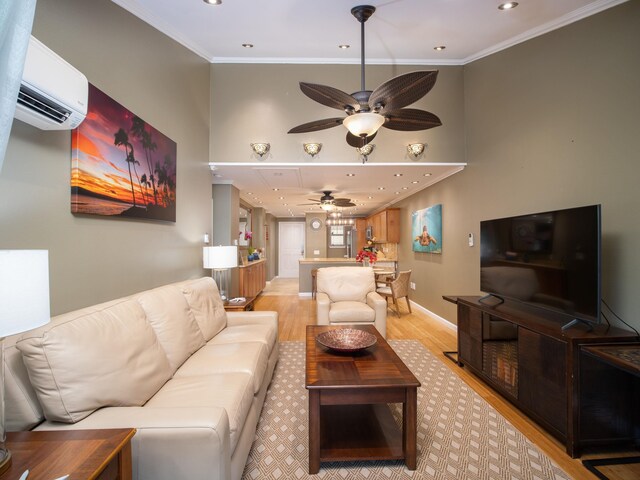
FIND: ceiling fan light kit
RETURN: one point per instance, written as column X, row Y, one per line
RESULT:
column 260, row 148
column 367, row 110
column 363, row 124
column 312, row 149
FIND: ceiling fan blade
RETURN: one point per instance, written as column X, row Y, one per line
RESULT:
column 402, row 90
column 359, row 142
column 411, row 119
column 329, row 96
column 317, row 125
column 348, row 203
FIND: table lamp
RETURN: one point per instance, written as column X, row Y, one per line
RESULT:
column 24, row 305
column 221, row 259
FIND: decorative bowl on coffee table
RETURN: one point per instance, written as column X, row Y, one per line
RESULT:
column 346, row 339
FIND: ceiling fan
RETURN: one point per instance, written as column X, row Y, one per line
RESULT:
column 368, row 110
column 328, row 201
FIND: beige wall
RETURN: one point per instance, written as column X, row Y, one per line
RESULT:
column 315, row 240
column 260, row 103
column 94, row 259
column 552, row 123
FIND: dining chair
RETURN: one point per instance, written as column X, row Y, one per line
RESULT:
column 397, row 288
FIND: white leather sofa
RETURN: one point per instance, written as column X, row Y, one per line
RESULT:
column 170, row 362
column 347, row 296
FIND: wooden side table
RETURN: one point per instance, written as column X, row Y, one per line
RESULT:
column 81, row 454
column 240, row 306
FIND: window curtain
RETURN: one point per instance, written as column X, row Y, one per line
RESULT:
column 16, row 20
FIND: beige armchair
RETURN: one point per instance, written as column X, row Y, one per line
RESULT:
column 347, row 296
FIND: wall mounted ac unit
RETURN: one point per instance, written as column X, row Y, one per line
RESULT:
column 53, row 94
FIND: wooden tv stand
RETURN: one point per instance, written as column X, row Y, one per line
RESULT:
column 523, row 353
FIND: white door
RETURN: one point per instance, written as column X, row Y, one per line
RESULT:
column 290, row 248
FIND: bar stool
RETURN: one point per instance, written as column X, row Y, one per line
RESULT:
column 314, row 285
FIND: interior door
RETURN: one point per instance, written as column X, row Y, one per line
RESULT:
column 290, row 248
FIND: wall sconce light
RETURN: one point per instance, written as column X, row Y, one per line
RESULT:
column 416, row 149
column 261, row 148
column 366, row 151
column 312, row 148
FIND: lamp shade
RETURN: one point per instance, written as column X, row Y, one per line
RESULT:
column 24, row 290
column 363, row 123
column 220, row 257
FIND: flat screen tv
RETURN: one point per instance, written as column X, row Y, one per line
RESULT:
column 550, row 260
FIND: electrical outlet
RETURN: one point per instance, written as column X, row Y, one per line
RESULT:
column 412, row 285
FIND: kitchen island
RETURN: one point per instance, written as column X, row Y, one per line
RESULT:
column 308, row 264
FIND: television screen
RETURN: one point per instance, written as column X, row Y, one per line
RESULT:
column 549, row 259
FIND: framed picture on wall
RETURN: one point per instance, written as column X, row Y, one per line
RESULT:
column 426, row 229
column 121, row 166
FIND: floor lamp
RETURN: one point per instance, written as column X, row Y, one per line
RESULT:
column 221, row 259
column 24, row 305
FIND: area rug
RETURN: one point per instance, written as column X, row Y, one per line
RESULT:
column 460, row 436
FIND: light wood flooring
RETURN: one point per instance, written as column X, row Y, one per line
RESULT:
column 295, row 313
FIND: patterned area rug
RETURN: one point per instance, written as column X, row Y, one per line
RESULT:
column 460, row 436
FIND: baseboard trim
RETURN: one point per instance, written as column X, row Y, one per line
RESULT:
column 435, row 316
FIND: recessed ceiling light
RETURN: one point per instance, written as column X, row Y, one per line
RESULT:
column 397, row 174
column 405, row 188
column 344, row 46
column 213, row 2
column 416, row 181
column 397, row 193
column 507, row 5
column 351, row 174
column 247, row 45
column 280, row 198
column 276, row 189
column 439, row 48
column 285, row 204
column 380, row 188
column 427, row 175
column 369, row 197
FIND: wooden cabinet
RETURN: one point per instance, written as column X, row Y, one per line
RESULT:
column 361, row 234
column 253, row 278
column 386, row 225
column 523, row 354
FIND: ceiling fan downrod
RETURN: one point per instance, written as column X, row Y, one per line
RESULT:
column 362, row 14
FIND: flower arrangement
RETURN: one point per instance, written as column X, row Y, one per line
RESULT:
column 247, row 235
column 368, row 254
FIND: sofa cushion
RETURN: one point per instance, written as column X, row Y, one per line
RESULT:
column 248, row 357
column 207, row 307
column 351, row 312
column 231, row 391
column 263, row 333
column 171, row 318
column 109, row 357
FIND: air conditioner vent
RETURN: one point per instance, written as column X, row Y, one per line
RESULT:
column 38, row 103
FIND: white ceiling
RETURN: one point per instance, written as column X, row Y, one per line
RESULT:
column 399, row 32
column 402, row 32
column 283, row 188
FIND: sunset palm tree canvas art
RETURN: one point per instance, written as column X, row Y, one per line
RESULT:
column 121, row 165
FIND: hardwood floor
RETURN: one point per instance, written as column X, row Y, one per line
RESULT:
column 295, row 313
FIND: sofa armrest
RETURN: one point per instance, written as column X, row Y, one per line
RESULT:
column 379, row 305
column 251, row 318
column 323, row 304
column 175, row 442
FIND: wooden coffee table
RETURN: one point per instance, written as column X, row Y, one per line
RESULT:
column 81, row 454
column 349, row 416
